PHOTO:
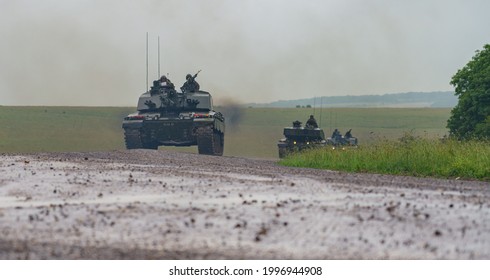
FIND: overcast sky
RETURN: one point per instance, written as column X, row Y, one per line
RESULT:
column 92, row 53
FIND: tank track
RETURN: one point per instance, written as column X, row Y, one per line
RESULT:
column 282, row 152
column 134, row 140
column 210, row 142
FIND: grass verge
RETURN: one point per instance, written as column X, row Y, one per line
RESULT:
column 413, row 157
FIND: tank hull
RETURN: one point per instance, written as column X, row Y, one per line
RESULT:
column 208, row 134
column 152, row 133
column 299, row 139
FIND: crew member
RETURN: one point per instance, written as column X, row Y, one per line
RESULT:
column 165, row 82
column 311, row 122
column 190, row 85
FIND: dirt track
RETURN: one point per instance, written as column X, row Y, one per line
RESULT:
column 156, row 204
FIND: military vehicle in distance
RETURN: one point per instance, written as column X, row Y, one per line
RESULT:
column 338, row 139
column 166, row 117
column 299, row 138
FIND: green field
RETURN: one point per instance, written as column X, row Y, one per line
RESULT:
column 44, row 129
column 253, row 133
column 413, row 156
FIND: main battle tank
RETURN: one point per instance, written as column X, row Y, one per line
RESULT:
column 299, row 138
column 166, row 117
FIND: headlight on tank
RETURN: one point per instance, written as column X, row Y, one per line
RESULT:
column 134, row 117
column 201, row 116
column 294, row 142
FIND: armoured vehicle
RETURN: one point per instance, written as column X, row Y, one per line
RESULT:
column 338, row 139
column 166, row 117
column 299, row 138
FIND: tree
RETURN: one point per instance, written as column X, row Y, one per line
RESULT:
column 471, row 116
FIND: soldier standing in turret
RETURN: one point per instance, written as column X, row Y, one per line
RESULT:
column 348, row 134
column 165, row 82
column 190, row 85
column 311, row 122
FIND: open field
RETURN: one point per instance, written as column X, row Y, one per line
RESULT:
column 254, row 133
column 47, row 129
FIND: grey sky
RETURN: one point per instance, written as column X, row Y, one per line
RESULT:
column 71, row 52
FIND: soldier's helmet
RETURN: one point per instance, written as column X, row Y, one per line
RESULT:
column 163, row 78
column 188, row 76
column 311, row 116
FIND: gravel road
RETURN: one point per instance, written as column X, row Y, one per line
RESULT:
column 143, row 204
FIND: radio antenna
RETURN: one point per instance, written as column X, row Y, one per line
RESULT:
column 330, row 119
column 158, row 56
column 321, row 109
column 314, row 101
column 146, row 61
column 336, row 119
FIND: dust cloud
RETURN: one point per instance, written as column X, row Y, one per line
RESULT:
column 93, row 53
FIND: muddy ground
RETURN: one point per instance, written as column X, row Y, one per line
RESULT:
column 143, row 204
